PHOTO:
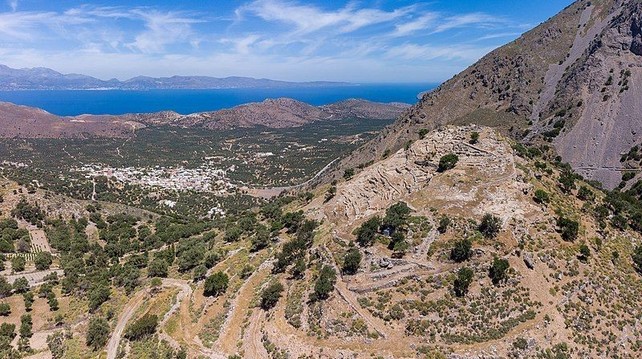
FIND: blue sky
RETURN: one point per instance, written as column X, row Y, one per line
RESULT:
column 296, row 40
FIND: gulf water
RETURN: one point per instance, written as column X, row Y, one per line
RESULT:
column 117, row 102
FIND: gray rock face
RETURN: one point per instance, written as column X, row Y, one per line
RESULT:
column 529, row 261
column 636, row 30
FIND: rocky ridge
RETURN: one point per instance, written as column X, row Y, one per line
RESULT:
column 573, row 81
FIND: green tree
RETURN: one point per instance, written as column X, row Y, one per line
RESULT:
column 462, row 282
column 5, row 287
column 422, row 133
column 367, row 232
column 5, row 309
column 490, row 226
column 270, row 295
column 569, row 228
column 351, row 261
column 143, row 327
column 20, row 285
column 97, row 333
column 216, row 284
column 298, row 269
column 26, row 326
column 18, row 264
column 56, row 344
column 499, row 270
column 462, row 250
column 447, row 162
column 200, row 272
column 52, row 301
column 567, row 181
column 98, row 295
column 43, row 260
column 157, row 268
column 396, row 216
column 325, row 283
column 29, row 299
column 260, row 239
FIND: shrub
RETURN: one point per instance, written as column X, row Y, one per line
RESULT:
column 474, row 138
column 271, row 295
column 462, row 250
column 499, row 270
column 351, row 261
column 585, row 252
column 490, row 226
column 462, row 282
column 447, row 162
column 585, row 194
column 422, row 133
column 444, row 222
column 348, row 174
column 216, row 284
column 541, row 196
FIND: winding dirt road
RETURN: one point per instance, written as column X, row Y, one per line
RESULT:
column 134, row 303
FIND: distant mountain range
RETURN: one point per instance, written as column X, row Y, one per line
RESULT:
column 41, row 78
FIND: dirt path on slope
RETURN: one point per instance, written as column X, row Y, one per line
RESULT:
column 231, row 329
column 252, row 344
column 126, row 315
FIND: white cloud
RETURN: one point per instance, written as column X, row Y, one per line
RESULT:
column 308, row 19
column 162, row 29
column 420, row 23
column 466, row 53
column 467, row 20
column 13, row 4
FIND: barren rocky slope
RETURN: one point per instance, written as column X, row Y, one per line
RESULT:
column 27, row 122
column 574, row 80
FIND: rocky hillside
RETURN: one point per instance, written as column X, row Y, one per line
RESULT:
column 573, row 81
column 26, row 122
column 433, row 232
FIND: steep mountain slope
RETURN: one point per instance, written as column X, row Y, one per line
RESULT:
column 26, row 122
column 551, row 82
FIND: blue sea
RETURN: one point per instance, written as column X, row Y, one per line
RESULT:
column 116, row 102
